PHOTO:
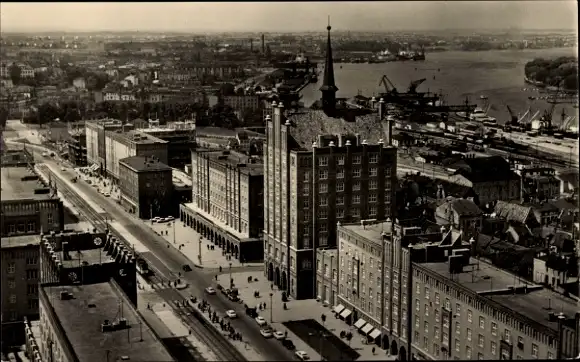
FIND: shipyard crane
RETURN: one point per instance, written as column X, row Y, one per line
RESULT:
column 414, row 84
column 522, row 117
column 513, row 118
column 386, row 82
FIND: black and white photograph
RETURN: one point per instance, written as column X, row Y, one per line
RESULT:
column 289, row 181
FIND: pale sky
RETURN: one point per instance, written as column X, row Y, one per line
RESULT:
column 289, row 16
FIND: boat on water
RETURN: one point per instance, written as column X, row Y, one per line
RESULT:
column 478, row 115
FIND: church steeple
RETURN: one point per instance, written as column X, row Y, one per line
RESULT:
column 328, row 88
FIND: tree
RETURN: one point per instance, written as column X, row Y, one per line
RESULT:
column 15, row 73
column 3, row 116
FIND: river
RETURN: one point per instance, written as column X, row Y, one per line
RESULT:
column 499, row 75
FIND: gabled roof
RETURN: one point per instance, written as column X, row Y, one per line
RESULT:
column 512, row 211
column 487, row 169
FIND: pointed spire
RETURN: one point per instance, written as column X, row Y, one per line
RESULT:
column 328, row 87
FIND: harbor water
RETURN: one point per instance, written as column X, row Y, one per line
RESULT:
column 496, row 75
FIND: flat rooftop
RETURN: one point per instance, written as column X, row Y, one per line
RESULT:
column 91, row 256
column 142, row 164
column 15, row 188
column 493, row 283
column 480, row 277
column 235, row 159
column 372, row 232
column 537, row 304
column 82, row 325
column 20, row 241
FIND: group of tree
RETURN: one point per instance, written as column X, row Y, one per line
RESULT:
column 562, row 72
column 220, row 115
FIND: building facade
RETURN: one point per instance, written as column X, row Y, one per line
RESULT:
column 327, row 267
column 313, row 180
column 120, row 145
column 28, row 206
column 146, row 186
column 77, row 149
column 227, row 201
column 20, row 277
column 491, row 178
column 95, row 138
column 180, row 138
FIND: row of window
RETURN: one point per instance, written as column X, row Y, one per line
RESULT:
column 373, row 157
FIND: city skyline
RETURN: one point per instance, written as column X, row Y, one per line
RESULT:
column 250, row 17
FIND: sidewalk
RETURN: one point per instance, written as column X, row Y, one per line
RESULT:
column 190, row 243
column 297, row 310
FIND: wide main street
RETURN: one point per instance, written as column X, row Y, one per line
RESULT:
column 169, row 261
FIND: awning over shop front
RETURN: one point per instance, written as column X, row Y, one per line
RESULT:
column 339, row 308
column 345, row 313
column 360, row 323
column 375, row 334
column 366, row 329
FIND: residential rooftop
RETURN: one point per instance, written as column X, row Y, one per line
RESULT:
column 81, row 318
column 20, row 241
column 19, row 183
column 494, row 283
column 372, row 232
column 142, row 164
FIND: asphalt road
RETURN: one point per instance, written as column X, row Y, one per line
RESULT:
column 168, row 261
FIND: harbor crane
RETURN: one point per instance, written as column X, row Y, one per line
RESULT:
column 414, row 84
column 389, row 86
column 513, row 117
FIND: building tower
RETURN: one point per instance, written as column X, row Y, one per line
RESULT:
column 263, row 45
column 328, row 87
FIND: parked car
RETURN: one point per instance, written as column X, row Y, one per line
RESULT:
column 169, row 218
column 186, row 268
column 288, row 344
column 279, row 335
column 156, row 219
column 251, row 312
column 261, row 321
column 231, row 314
column 266, row 332
column 303, row 356
column 210, row 290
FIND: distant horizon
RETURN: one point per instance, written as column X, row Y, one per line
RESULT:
column 209, row 31
column 289, row 17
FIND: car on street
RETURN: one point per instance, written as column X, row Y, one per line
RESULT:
column 231, row 314
column 303, row 356
column 288, row 344
column 266, row 332
column 261, row 321
column 186, row 268
column 156, row 219
column 210, row 290
column 63, row 169
column 279, row 335
column 169, row 218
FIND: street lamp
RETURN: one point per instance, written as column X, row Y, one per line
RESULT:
column 231, row 281
column 174, row 231
column 271, row 308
